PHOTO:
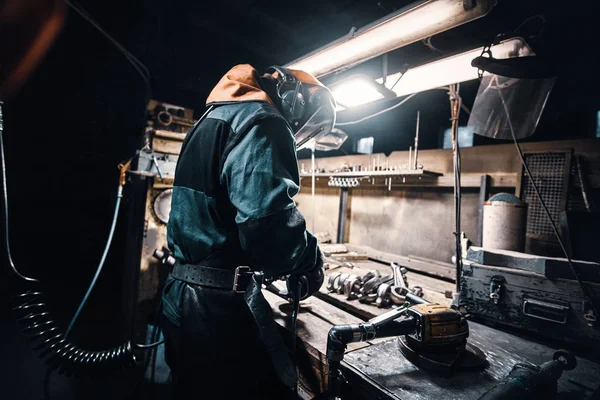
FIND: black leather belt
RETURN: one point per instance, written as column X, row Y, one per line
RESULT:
column 243, row 280
column 236, row 280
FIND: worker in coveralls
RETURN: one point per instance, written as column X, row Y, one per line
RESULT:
column 231, row 209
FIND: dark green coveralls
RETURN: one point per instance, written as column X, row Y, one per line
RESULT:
column 232, row 201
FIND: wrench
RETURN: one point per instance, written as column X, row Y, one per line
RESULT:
column 400, row 279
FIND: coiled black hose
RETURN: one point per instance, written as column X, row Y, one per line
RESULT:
column 51, row 345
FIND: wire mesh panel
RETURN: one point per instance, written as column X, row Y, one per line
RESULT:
column 548, row 171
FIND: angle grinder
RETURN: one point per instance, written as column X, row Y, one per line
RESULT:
column 431, row 336
column 438, row 343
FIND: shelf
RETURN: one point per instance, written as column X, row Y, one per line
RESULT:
column 371, row 174
column 497, row 180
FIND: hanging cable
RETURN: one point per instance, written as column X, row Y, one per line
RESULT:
column 582, row 286
column 135, row 63
column 531, row 18
column 5, row 198
column 377, row 113
column 398, row 80
column 102, row 260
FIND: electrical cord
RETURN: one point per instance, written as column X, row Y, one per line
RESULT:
column 5, row 197
column 378, row 113
column 531, row 18
column 397, row 80
column 102, row 260
column 582, row 286
column 155, row 331
column 149, row 346
column 135, row 63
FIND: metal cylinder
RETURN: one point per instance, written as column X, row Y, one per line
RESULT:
column 504, row 223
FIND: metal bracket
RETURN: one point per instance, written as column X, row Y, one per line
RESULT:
column 589, row 314
column 496, row 288
column 370, row 331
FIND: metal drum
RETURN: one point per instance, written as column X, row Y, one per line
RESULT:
column 504, row 223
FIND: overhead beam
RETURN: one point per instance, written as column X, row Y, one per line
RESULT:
column 403, row 27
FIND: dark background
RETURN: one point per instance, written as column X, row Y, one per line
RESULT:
column 82, row 112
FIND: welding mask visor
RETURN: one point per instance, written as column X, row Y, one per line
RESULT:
column 320, row 117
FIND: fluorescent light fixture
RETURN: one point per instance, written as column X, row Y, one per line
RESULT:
column 450, row 70
column 408, row 25
column 355, row 91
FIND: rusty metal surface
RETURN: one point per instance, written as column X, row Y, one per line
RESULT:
column 383, row 365
column 518, row 286
column 152, row 272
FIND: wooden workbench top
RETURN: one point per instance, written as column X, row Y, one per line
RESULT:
column 378, row 364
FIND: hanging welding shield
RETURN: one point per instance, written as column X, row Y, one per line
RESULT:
column 516, row 88
column 307, row 106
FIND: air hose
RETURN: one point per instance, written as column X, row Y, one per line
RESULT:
column 33, row 314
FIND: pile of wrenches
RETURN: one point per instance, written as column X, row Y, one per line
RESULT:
column 373, row 288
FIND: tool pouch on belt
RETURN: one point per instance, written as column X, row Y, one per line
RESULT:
column 278, row 352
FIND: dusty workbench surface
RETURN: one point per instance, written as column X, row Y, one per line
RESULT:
column 433, row 289
column 400, row 379
column 383, row 371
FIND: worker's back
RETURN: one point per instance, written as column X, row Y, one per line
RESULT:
column 202, row 221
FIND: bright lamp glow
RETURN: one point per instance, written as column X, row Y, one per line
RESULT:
column 399, row 29
column 450, row 70
column 354, row 92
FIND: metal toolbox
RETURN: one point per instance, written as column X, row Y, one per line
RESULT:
column 530, row 301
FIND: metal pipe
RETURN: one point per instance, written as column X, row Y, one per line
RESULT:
column 410, row 24
column 454, row 101
column 314, row 206
column 342, row 215
column 417, row 140
column 410, row 157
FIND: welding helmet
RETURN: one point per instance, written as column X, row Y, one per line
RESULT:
column 307, row 105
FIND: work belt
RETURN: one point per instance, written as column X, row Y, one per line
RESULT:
column 243, row 280
column 195, row 274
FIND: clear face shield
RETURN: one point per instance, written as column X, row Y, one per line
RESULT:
column 320, row 122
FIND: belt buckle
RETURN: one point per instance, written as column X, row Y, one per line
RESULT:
column 240, row 273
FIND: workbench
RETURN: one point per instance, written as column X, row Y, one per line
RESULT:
column 377, row 370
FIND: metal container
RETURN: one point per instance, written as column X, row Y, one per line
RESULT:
column 504, row 223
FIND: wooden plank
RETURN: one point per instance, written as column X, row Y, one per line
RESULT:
column 166, row 146
column 435, row 269
column 170, row 135
column 323, row 237
column 329, row 249
column 315, row 319
column 350, row 256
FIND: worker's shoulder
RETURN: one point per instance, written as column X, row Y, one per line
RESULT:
column 242, row 115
